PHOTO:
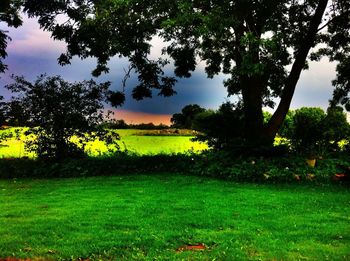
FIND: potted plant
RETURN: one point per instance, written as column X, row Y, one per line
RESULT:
column 311, row 157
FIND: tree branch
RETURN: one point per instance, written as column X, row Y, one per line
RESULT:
column 291, row 82
column 332, row 20
column 126, row 76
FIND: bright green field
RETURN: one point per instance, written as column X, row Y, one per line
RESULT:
column 130, row 140
column 150, row 217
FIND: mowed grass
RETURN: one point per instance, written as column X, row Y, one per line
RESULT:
column 134, row 141
column 131, row 140
column 153, row 217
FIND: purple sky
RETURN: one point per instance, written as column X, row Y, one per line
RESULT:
column 31, row 53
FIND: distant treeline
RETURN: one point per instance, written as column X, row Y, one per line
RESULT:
column 121, row 124
column 118, row 124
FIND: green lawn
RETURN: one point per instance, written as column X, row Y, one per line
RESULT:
column 132, row 140
column 150, row 217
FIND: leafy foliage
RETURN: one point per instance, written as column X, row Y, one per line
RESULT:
column 335, row 125
column 287, row 127
column 308, row 130
column 312, row 130
column 64, row 116
column 307, row 127
column 9, row 13
column 254, row 42
column 184, row 120
column 221, row 165
column 222, row 129
column 2, row 112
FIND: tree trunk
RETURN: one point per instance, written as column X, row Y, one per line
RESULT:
column 252, row 100
column 278, row 117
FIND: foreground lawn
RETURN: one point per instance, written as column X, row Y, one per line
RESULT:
column 156, row 217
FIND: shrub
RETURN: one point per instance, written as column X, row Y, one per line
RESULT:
column 312, row 131
column 307, row 128
column 64, row 116
column 222, row 129
column 221, row 165
column 335, row 127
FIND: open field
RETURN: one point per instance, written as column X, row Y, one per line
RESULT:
column 158, row 217
column 135, row 141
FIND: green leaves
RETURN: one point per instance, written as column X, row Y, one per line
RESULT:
column 116, row 98
column 64, row 116
column 9, row 13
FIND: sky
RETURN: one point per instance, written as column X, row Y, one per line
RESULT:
column 32, row 52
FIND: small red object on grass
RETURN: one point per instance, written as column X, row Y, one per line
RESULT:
column 199, row 247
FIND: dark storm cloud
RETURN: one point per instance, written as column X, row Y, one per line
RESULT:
column 197, row 89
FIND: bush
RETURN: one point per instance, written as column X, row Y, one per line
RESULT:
column 65, row 116
column 222, row 129
column 312, row 131
column 307, row 128
column 335, row 127
column 220, row 165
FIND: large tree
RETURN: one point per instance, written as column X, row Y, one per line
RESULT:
column 263, row 45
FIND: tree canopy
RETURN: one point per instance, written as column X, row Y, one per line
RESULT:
column 263, row 45
column 185, row 118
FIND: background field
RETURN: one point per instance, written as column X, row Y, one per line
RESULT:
column 135, row 141
column 152, row 217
